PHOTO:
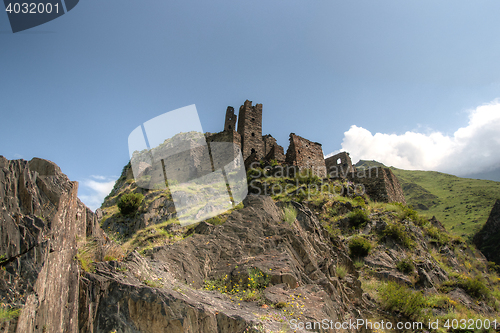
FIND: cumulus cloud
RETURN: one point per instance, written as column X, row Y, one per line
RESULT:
column 93, row 192
column 471, row 149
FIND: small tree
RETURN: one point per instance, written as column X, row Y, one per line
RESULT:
column 129, row 203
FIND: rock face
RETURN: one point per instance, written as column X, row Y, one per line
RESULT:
column 298, row 258
column 41, row 219
column 183, row 284
column 488, row 238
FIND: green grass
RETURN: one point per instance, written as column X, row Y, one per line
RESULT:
column 150, row 237
column 153, row 283
column 86, row 255
column 395, row 297
column 289, row 214
column 8, row 314
column 461, row 204
column 399, row 234
column 475, row 287
column 341, row 271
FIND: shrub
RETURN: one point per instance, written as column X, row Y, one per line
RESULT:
column 290, row 214
column 398, row 232
column 405, row 266
column 359, row 246
column 359, row 201
column 129, row 203
column 358, row 218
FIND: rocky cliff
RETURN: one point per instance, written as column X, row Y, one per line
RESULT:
column 488, row 238
column 41, row 222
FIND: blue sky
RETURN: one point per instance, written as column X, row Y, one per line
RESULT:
column 403, row 82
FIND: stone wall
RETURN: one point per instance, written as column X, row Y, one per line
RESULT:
column 276, row 153
column 272, row 150
column 306, row 154
column 225, row 154
column 339, row 165
column 250, row 129
column 381, row 184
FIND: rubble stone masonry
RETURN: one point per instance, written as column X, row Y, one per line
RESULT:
column 306, row 154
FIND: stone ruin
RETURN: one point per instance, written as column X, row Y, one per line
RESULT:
column 339, row 165
column 302, row 153
column 306, row 154
column 244, row 132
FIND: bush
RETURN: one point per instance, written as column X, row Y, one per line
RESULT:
column 405, row 266
column 359, row 201
column 129, row 203
column 398, row 232
column 358, row 218
column 359, row 246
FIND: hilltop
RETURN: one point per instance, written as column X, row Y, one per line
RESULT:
column 461, row 204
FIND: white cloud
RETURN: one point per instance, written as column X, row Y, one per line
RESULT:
column 99, row 177
column 471, row 149
column 94, row 192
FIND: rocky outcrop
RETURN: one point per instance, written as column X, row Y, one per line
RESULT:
column 164, row 291
column 487, row 239
column 41, row 220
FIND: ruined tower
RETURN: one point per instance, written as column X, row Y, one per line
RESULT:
column 339, row 165
column 230, row 123
column 250, row 129
column 306, row 154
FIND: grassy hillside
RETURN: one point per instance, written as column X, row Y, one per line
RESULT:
column 461, row 204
